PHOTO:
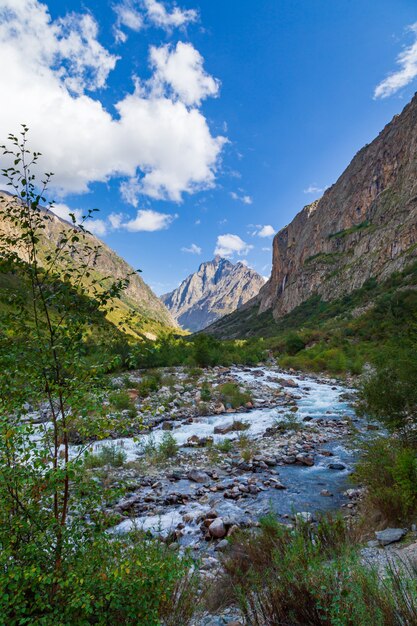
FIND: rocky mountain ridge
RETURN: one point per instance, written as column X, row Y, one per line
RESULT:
column 216, row 289
column 363, row 227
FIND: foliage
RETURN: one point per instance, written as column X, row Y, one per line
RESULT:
column 389, row 392
column 232, row 396
column 388, row 470
column 110, row 454
column 311, row 576
column 205, row 392
column 57, row 566
column 225, row 445
column 123, row 581
column 162, row 452
column 200, row 350
column 120, row 400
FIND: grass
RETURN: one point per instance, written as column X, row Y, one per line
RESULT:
column 225, row 445
column 160, row 453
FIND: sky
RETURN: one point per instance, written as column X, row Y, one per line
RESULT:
column 200, row 127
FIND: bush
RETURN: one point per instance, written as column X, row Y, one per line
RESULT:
column 225, row 445
column 308, row 576
column 149, row 384
column 205, row 392
column 168, row 448
column 107, row 455
column 120, row 400
column 294, row 344
column 388, row 469
column 389, row 392
column 106, row 580
column 232, row 396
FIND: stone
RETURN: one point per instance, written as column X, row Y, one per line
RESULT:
column 326, row 493
column 337, row 466
column 217, row 529
column 198, row 476
column 390, row 535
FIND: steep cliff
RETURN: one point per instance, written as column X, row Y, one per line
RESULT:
column 364, row 226
column 138, row 297
column 216, row 289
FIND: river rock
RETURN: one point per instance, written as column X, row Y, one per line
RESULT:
column 390, row 535
column 217, row 529
column 337, row 466
column 198, row 476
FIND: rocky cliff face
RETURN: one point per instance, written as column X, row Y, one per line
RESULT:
column 138, row 297
column 364, row 226
column 216, row 289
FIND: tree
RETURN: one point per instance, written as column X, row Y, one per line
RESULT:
column 48, row 513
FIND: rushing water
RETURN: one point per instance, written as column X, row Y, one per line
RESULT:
column 315, row 399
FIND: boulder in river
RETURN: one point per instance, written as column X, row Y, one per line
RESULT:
column 217, row 529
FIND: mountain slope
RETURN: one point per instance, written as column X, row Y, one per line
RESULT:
column 365, row 226
column 150, row 313
column 216, row 289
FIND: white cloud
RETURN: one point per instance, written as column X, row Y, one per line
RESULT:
column 115, row 220
column 63, row 211
column 243, row 198
column 197, row 222
column 314, row 188
column 407, row 60
column 160, row 16
column 136, row 14
column 229, row 245
column 97, row 227
column 193, row 249
column 181, row 68
column 266, row 231
column 266, row 249
column 127, row 15
column 155, row 141
column 149, row 221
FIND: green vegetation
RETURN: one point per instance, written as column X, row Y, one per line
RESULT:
column 199, row 350
column 225, row 445
column 388, row 469
column 353, row 229
column 232, row 396
column 311, row 576
column 57, row 563
column 338, row 336
column 160, row 453
column 110, row 454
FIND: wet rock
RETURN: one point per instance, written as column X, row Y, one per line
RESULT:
column 217, row 529
column 337, row 466
column 305, row 459
column 167, row 426
column 326, row 493
column 222, row 545
column 390, row 535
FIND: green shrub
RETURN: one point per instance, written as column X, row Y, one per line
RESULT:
column 107, row 455
column 205, row 392
column 231, row 395
column 294, row 343
column 148, row 385
column 388, row 469
column 308, row 576
column 120, row 400
column 106, row 580
column 168, row 448
column 225, row 445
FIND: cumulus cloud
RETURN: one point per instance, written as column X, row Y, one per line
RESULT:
column 181, row 68
column 242, row 198
column 149, row 221
column 158, row 143
column 407, row 62
column 266, row 231
column 136, row 14
column 228, row 245
column 193, row 249
column 146, row 220
column 160, row 16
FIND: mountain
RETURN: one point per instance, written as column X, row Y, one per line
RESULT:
column 151, row 314
column 216, row 289
column 364, row 227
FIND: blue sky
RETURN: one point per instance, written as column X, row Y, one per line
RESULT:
column 204, row 125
